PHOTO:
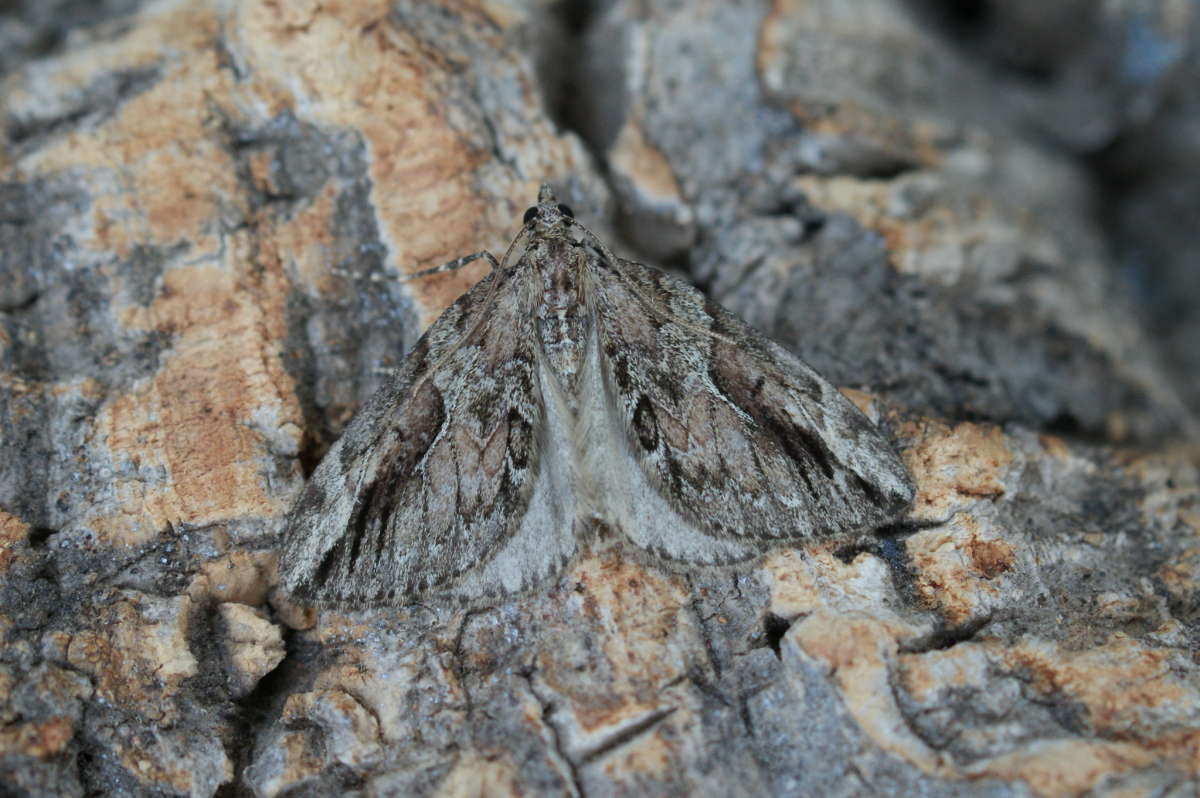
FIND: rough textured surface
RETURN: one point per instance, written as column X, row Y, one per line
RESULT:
column 253, row 646
column 200, row 246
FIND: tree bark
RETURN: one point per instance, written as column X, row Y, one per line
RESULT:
column 205, row 213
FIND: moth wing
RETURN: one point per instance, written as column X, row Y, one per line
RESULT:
column 738, row 438
column 438, row 477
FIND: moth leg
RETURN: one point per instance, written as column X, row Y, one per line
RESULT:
column 453, row 265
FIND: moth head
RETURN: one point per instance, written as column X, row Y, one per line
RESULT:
column 549, row 213
column 549, row 221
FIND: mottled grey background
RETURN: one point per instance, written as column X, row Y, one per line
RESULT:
column 982, row 215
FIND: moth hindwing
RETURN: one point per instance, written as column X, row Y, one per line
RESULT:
column 566, row 388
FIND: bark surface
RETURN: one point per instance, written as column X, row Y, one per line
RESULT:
column 205, row 212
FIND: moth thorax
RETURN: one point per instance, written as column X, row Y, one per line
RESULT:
column 564, row 341
column 563, row 321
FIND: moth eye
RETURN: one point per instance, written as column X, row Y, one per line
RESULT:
column 529, row 214
column 566, row 211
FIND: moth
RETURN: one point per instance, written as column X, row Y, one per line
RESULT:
column 570, row 388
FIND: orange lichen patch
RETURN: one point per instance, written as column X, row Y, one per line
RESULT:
column 253, row 645
column 1170, row 497
column 197, row 299
column 474, row 776
column 260, row 166
column 1064, row 768
column 241, row 576
column 925, row 675
column 795, row 583
column 816, row 579
column 865, row 402
column 342, row 66
column 954, row 467
column 175, row 176
column 140, row 656
column 1116, row 426
column 1181, row 748
column 170, row 764
column 845, row 643
column 305, row 243
column 347, row 71
column 377, row 665
column 989, row 558
column 794, row 29
column 352, row 734
column 501, row 13
column 139, row 47
column 337, row 627
column 206, row 423
column 1181, row 575
column 1123, row 680
column 292, row 614
column 1173, row 464
column 8, row 681
column 12, row 531
column 299, row 759
column 181, row 193
column 172, row 174
column 637, row 613
column 956, row 565
column 41, row 739
column 859, row 651
column 1126, row 687
column 649, row 754
column 918, row 141
column 1137, row 605
column 1054, row 446
column 25, row 397
column 635, row 159
column 937, row 237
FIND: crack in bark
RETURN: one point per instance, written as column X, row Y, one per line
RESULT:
column 709, row 689
column 560, row 748
column 261, row 708
column 456, row 655
column 946, row 637
column 709, row 649
column 743, row 706
column 626, row 734
column 910, row 723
